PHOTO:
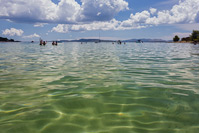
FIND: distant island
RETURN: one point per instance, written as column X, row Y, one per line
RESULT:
column 3, row 39
column 145, row 40
column 86, row 40
column 99, row 40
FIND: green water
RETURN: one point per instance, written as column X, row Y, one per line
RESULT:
column 99, row 88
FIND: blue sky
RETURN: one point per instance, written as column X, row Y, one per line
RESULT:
column 113, row 19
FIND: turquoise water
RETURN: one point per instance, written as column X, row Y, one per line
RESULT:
column 99, row 88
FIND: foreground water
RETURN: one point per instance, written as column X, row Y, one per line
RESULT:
column 99, row 88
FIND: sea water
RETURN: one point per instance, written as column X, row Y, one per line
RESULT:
column 99, row 88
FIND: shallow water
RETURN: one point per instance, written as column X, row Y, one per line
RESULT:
column 99, row 88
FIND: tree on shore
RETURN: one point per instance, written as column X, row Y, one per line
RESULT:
column 195, row 36
column 186, row 39
column 176, row 39
column 3, row 39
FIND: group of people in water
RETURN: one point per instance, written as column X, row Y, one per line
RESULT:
column 45, row 42
column 54, row 43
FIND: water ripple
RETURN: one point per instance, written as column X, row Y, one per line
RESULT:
column 102, row 88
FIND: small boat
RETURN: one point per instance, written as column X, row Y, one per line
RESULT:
column 139, row 41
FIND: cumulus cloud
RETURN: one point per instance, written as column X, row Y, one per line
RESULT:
column 27, row 11
column 95, row 14
column 185, row 12
column 109, row 25
column 64, row 28
column 66, row 11
column 39, row 11
column 40, row 24
column 101, row 10
column 32, row 36
column 13, row 32
column 153, row 11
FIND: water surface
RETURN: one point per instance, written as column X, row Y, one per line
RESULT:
column 99, row 88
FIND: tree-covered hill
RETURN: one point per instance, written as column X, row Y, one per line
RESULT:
column 3, row 39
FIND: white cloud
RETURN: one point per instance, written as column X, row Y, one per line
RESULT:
column 95, row 14
column 110, row 25
column 101, row 10
column 185, row 12
column 66, row 11
column 64, row 28
column 13, row 32
column 40, row 24
column 153, row 11
column 32, row 36
column 39, row 11
column 139, row 17
column 27, row 11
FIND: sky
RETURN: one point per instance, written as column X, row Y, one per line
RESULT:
column 28, row 20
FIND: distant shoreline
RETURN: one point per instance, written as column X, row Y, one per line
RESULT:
column 3, row 39
column 10, row 41
column 190, row 42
